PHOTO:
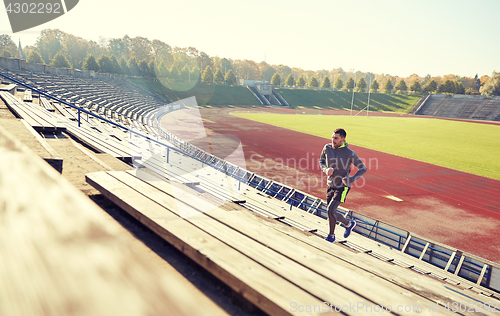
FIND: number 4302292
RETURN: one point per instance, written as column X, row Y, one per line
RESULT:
column 34, row 8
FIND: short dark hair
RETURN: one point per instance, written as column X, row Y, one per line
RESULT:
column 341, row 132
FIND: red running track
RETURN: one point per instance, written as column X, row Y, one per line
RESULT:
column 452, row 207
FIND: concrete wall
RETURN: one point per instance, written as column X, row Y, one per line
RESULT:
column 264, row 88
column 468, row 96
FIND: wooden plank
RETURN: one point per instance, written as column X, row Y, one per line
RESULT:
column 68, row 114
column 276, row 241
column 270, row 292
column 91, row 155
column 47, row 105
column 94, row 141
column 375, row 289
column 62, row 255
column 27, row 96
column 10, row 88
column 101, row 143
column 50, row 118
column 12, row 105
column 38, row 121
column 409, row 281
column 54, row 160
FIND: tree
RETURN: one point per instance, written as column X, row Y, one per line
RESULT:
column 120, row 47
column 162, row 52
column 388, row 86
column 219, row 77
column 313, row 82
column 430, row 86
column 95, row 49
column 361, row 85
column 276, row 79
column 247, row 69
column 416, row 87
column 300, row 82
column 203, row 60
column 492, row 86
column 144, row 68
column 230, row 78
column 140, row 48
column 266, row 71
column 401, row 86
column 185, row 73
column 35, row 58
column 225, row 64
column 284, row 71
column 208, row 75
column 326, row 82
column 124, row 67
column 338, row 84
column 447, row 87
column 105, row 65
column 90, row 63
column 60, row 61
column 374, row 87
column 162, row 71
column 195, row 74
column 116, row 66
column 349, row 84
column 459, row 88
column 75, row 49
column 478, row 83
column 134, row 67
column 175, row 73
column 8, row 47
column 289, row 81
column 49, row 44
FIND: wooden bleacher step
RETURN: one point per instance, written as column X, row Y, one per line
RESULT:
column 62, row 255
column 157, row 204
column 235, row 269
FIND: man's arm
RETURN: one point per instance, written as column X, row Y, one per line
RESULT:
column 361, row 169
column 323, row 164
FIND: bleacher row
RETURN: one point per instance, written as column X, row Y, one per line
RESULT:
column 189, row 165
column 461, row 107
column 121, row 100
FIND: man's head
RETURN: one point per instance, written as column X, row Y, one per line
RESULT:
column 338, row 137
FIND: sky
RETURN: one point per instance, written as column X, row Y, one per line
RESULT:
column 400, row 38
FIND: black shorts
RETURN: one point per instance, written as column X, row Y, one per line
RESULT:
column 337, row 194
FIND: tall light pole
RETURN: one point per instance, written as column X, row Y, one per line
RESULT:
column 369, row 91
column 354, row 86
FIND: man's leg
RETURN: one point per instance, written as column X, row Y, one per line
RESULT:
column 334, row 217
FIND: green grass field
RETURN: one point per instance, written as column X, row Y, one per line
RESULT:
column 464, row 146
column 340, row 100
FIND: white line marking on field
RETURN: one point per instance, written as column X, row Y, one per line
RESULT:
column 392, row 197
